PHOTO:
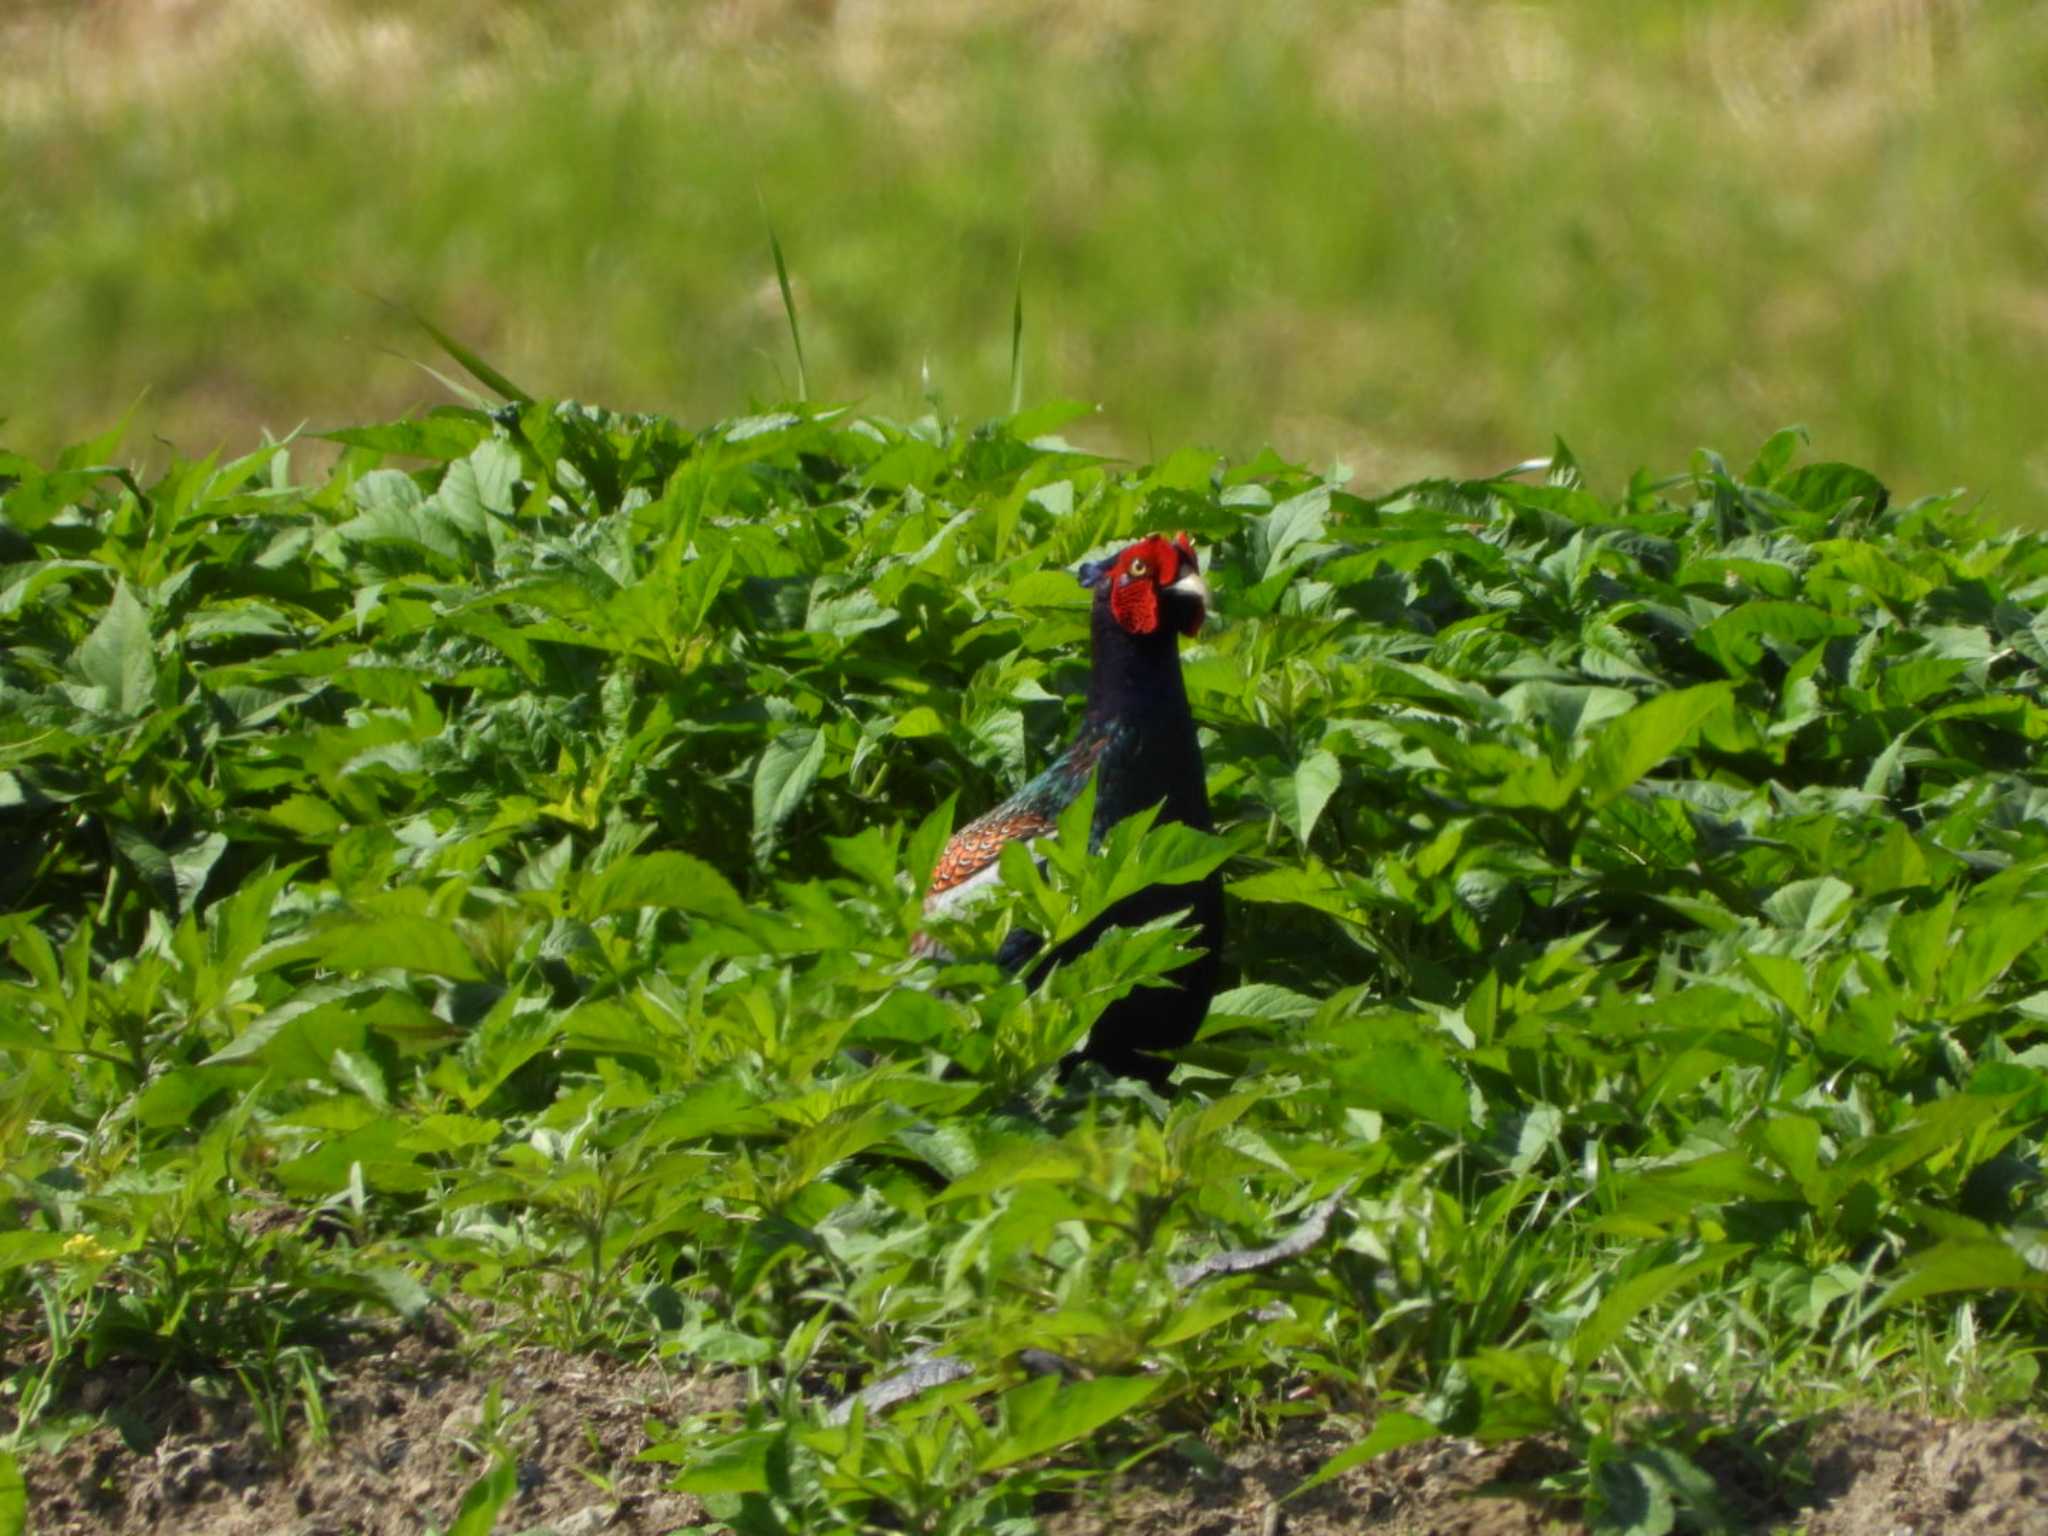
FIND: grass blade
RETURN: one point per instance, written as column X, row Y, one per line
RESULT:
column 475, row 366
column 1017, row 339
column 803, row 388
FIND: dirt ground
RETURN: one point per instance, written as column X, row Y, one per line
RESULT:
column 1864, row 1474
column 411, row 1424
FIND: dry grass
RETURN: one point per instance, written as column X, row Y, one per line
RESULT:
column 1833, row 70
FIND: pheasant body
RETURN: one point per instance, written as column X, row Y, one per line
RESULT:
column 1138, row 739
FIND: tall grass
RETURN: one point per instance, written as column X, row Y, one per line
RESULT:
column 1415, row 237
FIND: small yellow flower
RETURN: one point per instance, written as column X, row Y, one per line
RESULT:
column 86, row 1248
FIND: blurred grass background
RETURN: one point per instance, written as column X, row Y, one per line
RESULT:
column 1417, row 237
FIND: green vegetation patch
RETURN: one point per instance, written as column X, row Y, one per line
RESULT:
column 485, row 881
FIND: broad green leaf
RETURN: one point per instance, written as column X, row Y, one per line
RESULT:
column 1869, row 568
column 787, row 770
column 1793, row 1142
column 146, row 858
column 28, row 1247
column 1937, row 1128
column 373, row 1154
column 1629, row 1300
column 1047, row 589
column 33, row 578
column 1173, row 854
column 1739, row 637
column 922, row 720
column 119, row 656
column 1208, row 1308
column 1982, row 1265
column 1534, row 1374
column 1776, row 453
column 1629, row 747
column 1810, row 905
column 1047, row 1413
column 706, row 1109
column 308, row 815
column 1884, row 768
column 495, row 470
column 1642, row 1490
column 1016, row 1166
column 177, row 1097
column 191, row 865
column 1408, row 1078
column 1990, row 937
column 1678, row 1191
column 670, row 881
column 739, row 1465
column 1532, row 782
column 998, row 740
column 1308, row 887
column 921, row 853
column 357, row 1070
column 1262, row 1000
column 1316, row 778
column 484, row 1498
column 1037, row 420
column 1921, row 945
column 1294, row 522
column 415, row 943
column 870, row 855
column 1833, row 488
column 848, row 614
column 1569, row 712
column 431, row 437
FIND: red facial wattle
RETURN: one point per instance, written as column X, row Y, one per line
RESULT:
column 1134, row 600
column 1141, row 574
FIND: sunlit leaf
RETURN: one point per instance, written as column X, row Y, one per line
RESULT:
column 119, row 656
column 477, row 1514
column 1044, row 1414
column 1390, row 1431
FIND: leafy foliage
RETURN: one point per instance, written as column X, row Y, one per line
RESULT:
column 495, row 879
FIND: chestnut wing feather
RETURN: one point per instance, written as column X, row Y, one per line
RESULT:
column 981, row 842
column 1034, row 811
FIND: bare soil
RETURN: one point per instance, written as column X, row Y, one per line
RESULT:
column 410, row 1425
column 1859, row 1474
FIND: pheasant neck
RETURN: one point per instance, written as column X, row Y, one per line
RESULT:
column 1134, row 677
column 1135, row 685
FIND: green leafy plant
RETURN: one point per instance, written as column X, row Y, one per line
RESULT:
column 490, row 872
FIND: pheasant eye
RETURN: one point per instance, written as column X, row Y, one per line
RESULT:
column 1140, row 568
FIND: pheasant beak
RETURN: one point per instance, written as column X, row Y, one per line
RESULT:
column 1190, row 584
